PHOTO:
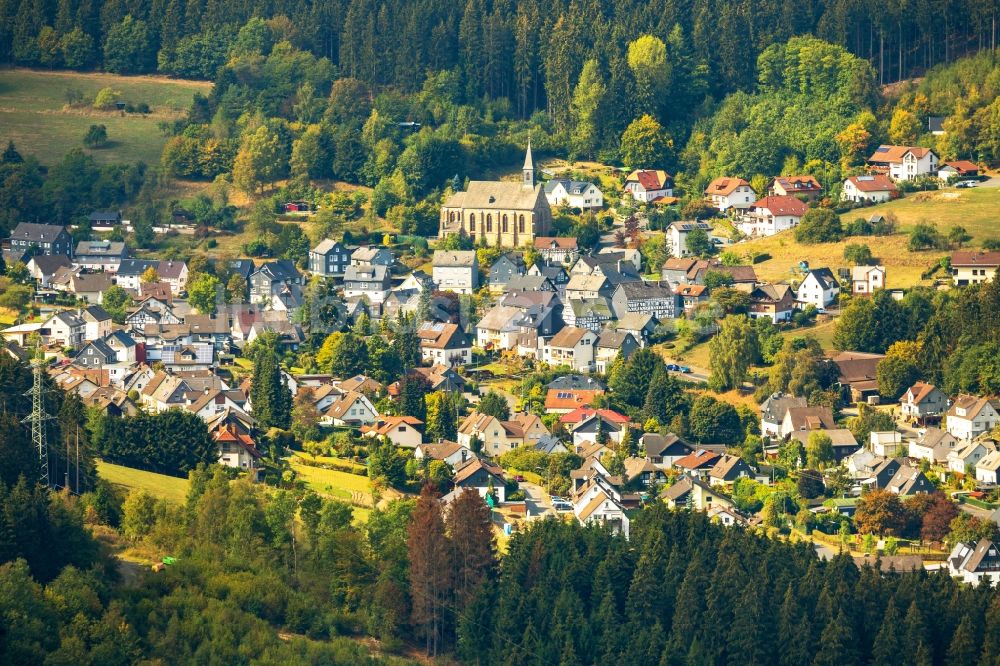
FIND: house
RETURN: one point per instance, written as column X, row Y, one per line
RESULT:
column 841, row 439
column 95, row 354
column 588, row 286
column 725, row 193
column 209, row 403
column 158, row 290
column 641, row 473
column 550, row 445
column 162, row 392
column 101, row 220
column 100, row 255
column 272, row 279
column 772, row 412
column 174, row 273
column 727, row 516
column 617, row 266
column 504, row 269
column 499, row 328
column 698, row 463
column 677, row 234
column 796, row 186
column 870, row 189
column 451, row 453
column 692, row 297
column 596, row 424
column 957, row 170
column 771, row 215
column 772, row 301
column 65, row 328
column 966, row 456
column 858, row 372
column 818, row 288
column 612, row 344
column 367, row 281
column 975, row 562
column 456, row 270
column 988, row 469
column 646, row 185
column 641, row 325
column 664, row 450
column 89, row 287
column 361, row 384
column 42, row 267
column 970, row 416
column 498, row 437
column 923, row 401
column 728, row 469
column 482, row 476
column 400, row 430
column 353, row 408
column 690, row 492
column 655, row 298
column 903, row 162
column 886, row 443
column 499, row 213
column 557, row 249
column 130, row 272
column 909, row 481
column 565, row 400
column 867, row 279
column 150, row 310
column 806, row 418
column 534, row 281
column 599, row 503
column 933, row 445
column 571, row 346
column 233, row 434
column 186, row 356
column 444, row 344
column 935, row 125
column 32, row 238
column 371, row 255
column 554, row 274
column 574, row 194
column 329, row 259
column 97, row 322
column 974, row 267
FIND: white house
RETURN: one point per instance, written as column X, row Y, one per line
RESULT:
column 975, row 562
column 904, row 162
column 352, row 409
column 968, row 455
column 820, row 288
column 456, row 270
column 574, row 194
column 400, row 430
column 444, row 344
column 771, row 215
column 971, row 416
column 646, row 185
column 934, row 445
column 974, row 267
column 988, row 468
column 677, row 234
column 65, row 328
column 725, row 193
column 599, row 506
column 867, row 279
column 874, row 188
column 571, row 346
column 923, row 400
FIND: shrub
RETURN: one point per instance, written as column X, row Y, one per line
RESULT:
column 106, row 99
column 96, row 137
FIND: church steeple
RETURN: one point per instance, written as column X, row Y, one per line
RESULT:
column 528, row 170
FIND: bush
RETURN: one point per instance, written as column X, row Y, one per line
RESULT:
column 858, row 254
column 925, row 237
column 96, row 137
column 106, row 99
column 819, row 225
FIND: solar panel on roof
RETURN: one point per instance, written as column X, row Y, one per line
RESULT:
column 866, row 178
column 881, row 149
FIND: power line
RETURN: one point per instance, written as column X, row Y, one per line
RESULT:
column 37, row 419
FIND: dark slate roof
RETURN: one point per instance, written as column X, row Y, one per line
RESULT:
column 39, row 233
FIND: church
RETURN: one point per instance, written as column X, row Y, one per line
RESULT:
column 501, row 214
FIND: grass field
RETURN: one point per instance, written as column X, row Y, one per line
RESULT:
column 170, row 488
column 34, row 115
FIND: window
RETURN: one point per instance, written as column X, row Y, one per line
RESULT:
column 503, row 224
column 520, row 224
column 489, row 223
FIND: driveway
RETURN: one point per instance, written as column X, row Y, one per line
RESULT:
column 536, row 500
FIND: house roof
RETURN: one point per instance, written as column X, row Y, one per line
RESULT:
column 807, row 184
column 158, row 290
column 47, row 264
column 990, row 462
column 555, row 243
column 782, row 205
column 101, row 248
column 679, row 264
column 136, row 267
column 775, row 405
column 584, row 282
column 963, row 166
column 635, row 321
column 441, row 450
column 571, row 186
column 825, row 277
column 933, row 436
column 810, row 418
column 856, row 366
column 723, row 187
column 771, row 293
column 972, row 405
column 920, row 391
column 384, row 428
column 360, row 383
column 726, row 464
column 39, row 233
column 612, row 339
column 473, row 465
column 170, row 270
column 700, row 459
column 570, row 398
column 441, row 336
column 499, row 318
column 569, row 336
column 875, row 182
column 339, row 408
column 839, row 437
column 581, row 414
column 888, row 154
column 455, row 258
column 977, row 259
column 655, row 444
column 367, row 254
column 646, row 290
column 498, row 195
column 650, row 179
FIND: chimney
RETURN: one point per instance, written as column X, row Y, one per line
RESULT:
column 619, row 265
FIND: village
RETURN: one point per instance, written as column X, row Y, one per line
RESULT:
column 540, row 373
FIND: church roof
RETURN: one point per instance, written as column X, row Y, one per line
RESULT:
column 498, row 195
column 528, row 162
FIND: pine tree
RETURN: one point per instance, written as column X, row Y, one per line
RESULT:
column 837, row 644
column 430, row 569
column 270, row 397
column 887, row 648
column 964, row 645
column 473, row 557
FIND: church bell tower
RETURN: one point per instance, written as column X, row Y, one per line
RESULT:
column 528, row 171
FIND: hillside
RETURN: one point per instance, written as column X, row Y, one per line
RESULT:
column 35, row 115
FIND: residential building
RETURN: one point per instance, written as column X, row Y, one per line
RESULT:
column 974, row 267
column 677, row 234
column 371, row 255
column 498, row 437
column 233, row 434
column 819, row 288
column 975, row 562
column 690, row 492
column 806, row 418
column 867, row 279
column 933, row 445
column 886, row 443
column 353, row 409
column 41, row 239
column 691, row 297
column 611, row 345
column 42, row 267
column 400, row 430
column 957, row 170
column 371, row 281
column 869, row 189
column 654, row 298
column 965, row 457
column 970, row 416
column 796, row 186
column 641, row 473
column 858, row 371
column 482, row 476
column 557, row 249
column 104, row 220
column 725, row 193
column 640, row 324
column 903, row 162
column 100, row 255
column 444, row 344
column 923, row 401
column 130, row 272
column 841, row 439
column 571, row 346
column 771, row 215
column 504, row 269
column 592, row 313
column 272, row 280
column 772, row 412
column 65, row 328
column 456, row 270
column 664, row 450
column 648, row 185
column 330, row 259
column 174, row 273
column 697, row 464
column 499, row 213
column 988, row 469
column 451, row 453
column 772, row 301
column 728, row 469
column 574, row 194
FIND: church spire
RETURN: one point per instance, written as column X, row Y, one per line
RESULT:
column 528, row 170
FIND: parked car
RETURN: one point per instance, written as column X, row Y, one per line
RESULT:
column 967, row 183
column 562, row 505
column 519, row 478
column 685, row 369
column 673, row 367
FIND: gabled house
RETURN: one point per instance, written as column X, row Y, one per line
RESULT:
column 556, row 275
column 371, row 255
column 958, row 169
column 400, row 430
column 923, row 401
column 271, row 279
column 974, row 267
column 498, row 437
column 970, row 416
column 858, row 371
column 150, row 311
column 96, row 322
column 65, row 328
column 796, row 186
column 371, row 281
column 691, row 297
column 988, row 469
column 690, row 492
column 640, row 472
column 655, row 298
column 725, row 193
column 482, row 476
column 233, row 431
column 444, row 343
column 841, row 439
column 909, row 481
column 648, row 185
column 130, row 272
column 771, row 215
column 574, row 194
column 588, row 286
column 43, row 267
column 610, row 345
column 975, row 562
column 933, row 445
column 677, row 234
column 504, row 269
column 571, row 346
column 592, row 313
column 100, row 255
column 456, row 270
column 95, row 354
column 664, row 450
column 441, row 378
column 728, row 469
column 903, row 162
column 353, row 409
column 174, row 273
column 451, row 453
column 330, row 259
column 697, row 464
column 598, row 424
column 41, row 239
column 819, row 287
column 967, row 455
column 557, row 249
column 772, row 301
column 806, row 418
column 870, row 189
column 867, row 279
column 601, row 504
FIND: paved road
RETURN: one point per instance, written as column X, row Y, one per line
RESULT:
column 824, row 551
column 536, row 500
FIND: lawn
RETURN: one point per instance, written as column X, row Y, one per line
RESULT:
column 33, row 113
column 974, row 209
column 7, row 316
column 342, row 485
column 170, row 488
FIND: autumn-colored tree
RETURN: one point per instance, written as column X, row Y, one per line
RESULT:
column 305, row 415
column 149, row 276
column 879, row 512
column 470, row 531
column 937, row 517
column 430, row 571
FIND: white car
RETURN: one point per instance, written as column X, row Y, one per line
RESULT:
column 967, row 183
column 561, row 505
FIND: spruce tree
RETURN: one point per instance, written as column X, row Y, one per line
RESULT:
column 887, row 648
column 430, row 569
column 964, row 647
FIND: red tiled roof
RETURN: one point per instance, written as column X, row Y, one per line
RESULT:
column 569, row 398
column 723, row 187
column 583, row 413
column 782, row 205
column 975, row 259
column 876, row 182
column 650, row 179
column 697, row 460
